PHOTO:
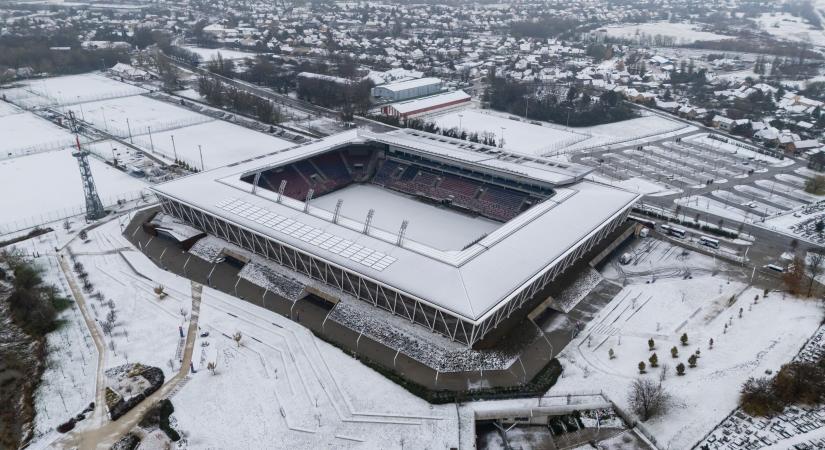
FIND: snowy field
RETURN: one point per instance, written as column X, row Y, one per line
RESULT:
column 522, row 137
column 8, row 109
column 684, row 33
column 786, row 26
column 767, row 335
column 144, row 115
column 25, row 133
column 627, row 131
column 445, row 229
column 52, row 186
column 207, row 54
column 222, row 143
column 78, row 88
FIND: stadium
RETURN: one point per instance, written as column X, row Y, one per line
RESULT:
column 452, row 235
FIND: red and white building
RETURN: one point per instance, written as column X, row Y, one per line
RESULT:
column 419, row 106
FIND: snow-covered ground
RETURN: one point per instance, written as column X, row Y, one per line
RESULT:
column 73, row 89
column 303, row 392
column 48, row 186
column 683, row 33
column 519, row 136
column 207, row 54
column 222, row 143
column 741, row 152
column 7, row 109
column 768, row 335
column 68, row 381
column 628, row 132
column 786, row 26
column 25, row 133
column 136, row 115
column 443, row 228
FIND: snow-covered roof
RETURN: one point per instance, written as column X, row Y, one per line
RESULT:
column 471, row 283
column 429, row 102
column 410, row 84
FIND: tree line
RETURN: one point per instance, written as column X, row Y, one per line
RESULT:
column 576, row 108
column 55, row 56
column 223, row 95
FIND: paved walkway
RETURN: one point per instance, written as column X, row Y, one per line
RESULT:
column 98, row 415
column 99, row 435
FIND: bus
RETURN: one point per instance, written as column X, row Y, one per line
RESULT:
column 775, row 268
column 674, row 231
column 710, row 242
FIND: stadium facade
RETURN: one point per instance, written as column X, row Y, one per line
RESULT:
column 542, row 217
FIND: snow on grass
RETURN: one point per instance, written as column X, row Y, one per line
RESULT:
column 25, row 133
column 144, row 115
column 519, row 136
column 303, row 392
column 786, row 26
column 73, row 89
column 7, row 109
column 638, row 130
column 438, row 227
column 768, row 335
column 207, row 54
column 146, row 329
column 222, row 143
column 53, row 187
column 683, row 33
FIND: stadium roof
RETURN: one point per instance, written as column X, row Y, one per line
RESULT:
column 471, row 283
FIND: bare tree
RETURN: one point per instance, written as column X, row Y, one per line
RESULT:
column 647, row 398
column 237, row 338
column 211, row 366
column 815, row 266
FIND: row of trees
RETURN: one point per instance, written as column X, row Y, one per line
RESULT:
column 54, row 56
column 223, row 95
column 576, row 108
column 353, row 97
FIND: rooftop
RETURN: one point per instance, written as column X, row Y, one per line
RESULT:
column 471, row 283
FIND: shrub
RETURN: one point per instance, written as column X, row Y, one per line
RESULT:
column 757, row 398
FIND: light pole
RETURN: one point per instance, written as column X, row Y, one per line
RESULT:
column 200, row 150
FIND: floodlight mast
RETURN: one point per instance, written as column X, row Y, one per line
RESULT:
column 94, row 208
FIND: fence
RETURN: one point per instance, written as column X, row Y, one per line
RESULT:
column 59, row 144
column 64, row 213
